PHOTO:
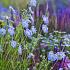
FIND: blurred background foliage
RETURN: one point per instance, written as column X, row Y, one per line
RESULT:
column 23, row 3
column 16, row 3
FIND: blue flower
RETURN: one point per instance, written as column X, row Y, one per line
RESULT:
column 52, row 56
column 11, row 30
column 2, row 31
column 45, row 28
column 45, row 19
column 33, row 29
column 28, row 33
column 61, row 55
column 25, row 23
column 20, row 50
column 13, row 44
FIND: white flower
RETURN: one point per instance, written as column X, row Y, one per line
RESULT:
column 45, row 28
column 13, row 43
column 11, row 30
column 20, row 50
column 33, row 3
column 61, row 55
column 28, row 33
column 33, row 30
column 25, row 23
column 2, row 31
column 45, row 19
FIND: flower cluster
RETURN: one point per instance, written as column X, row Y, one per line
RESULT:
column 57, row 56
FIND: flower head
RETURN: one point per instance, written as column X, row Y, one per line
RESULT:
column 25, row 23
column 52, row 56
column 61, row 55
column 45, row 28
column 2, row 31
column 28, row 33
column 13, row 43
column 45, row 19
column 11, row 30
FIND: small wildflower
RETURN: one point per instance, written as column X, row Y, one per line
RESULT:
column 45, row 28
column 45, row 19
column 52, row 56
column 13, row 44
column 25, row 23
column 28, row 33
column 61, row 55
column 11, row 30
column 2, row 31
